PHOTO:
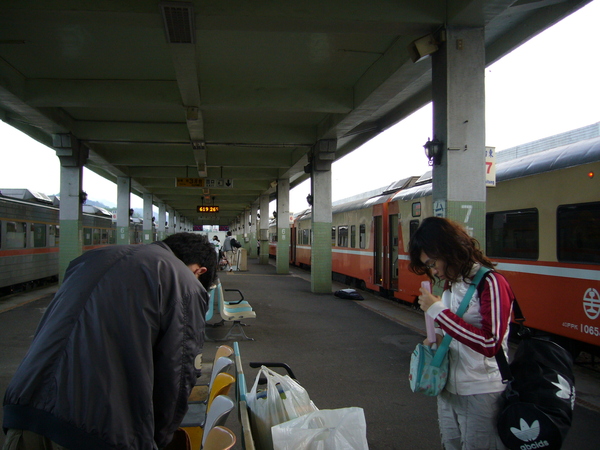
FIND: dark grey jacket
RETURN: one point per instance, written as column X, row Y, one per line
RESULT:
column 112, row 362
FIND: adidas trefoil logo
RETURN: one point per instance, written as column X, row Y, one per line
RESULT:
column 526, row 433
column 564, row 390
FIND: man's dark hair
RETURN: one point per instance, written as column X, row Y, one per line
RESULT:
column 192, row 248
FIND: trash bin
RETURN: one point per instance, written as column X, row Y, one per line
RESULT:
column 242, row 259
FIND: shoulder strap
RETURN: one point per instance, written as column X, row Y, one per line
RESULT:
column 443, row 348
column 503, row 365
column 467, row 298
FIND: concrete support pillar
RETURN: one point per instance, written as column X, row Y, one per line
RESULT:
column 322, row 155
column 320, row 258
column 148, row 236
column 162, row 218
column 245, row 239
column 123, row 207
column 263, row 234
column 72, row 156
column 178, row 224
column 459, row 123
column 171, row 224
column 283, row 226
column 253, row 251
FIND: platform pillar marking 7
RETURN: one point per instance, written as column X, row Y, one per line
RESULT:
column 458, row 92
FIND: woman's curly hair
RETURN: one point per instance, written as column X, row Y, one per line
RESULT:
column 443, row 239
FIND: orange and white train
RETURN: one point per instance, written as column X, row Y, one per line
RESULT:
column 542, row 229
column 30, row 236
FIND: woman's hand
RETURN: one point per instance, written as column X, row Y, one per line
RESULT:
column 438, row 338
column 426, row 299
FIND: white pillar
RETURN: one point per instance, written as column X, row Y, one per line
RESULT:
column 148, row 236
column 459, row 122
column 123, row 206
column 162, row 217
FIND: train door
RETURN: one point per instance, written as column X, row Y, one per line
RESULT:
column 393, row 252
column 378, row 248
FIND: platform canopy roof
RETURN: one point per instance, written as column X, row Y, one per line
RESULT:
column 235, row 92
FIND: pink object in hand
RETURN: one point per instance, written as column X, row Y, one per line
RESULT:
column 429, row 322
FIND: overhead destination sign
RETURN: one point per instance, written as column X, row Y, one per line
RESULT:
column 208, row 209
column 189, row 182
column 225, row 183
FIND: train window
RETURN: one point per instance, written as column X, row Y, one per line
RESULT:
column 343, row 236
column 96, row 236
column 305, row 239
column 39, row 235
column 353, row 236
column 87, row 236
column 16, row 234
column 52, row 236
column 416, row 209
column 513, row 234
column 578, row 233
column 333, row 236
column 112, row 237
column 362, row 236
column 412, row 228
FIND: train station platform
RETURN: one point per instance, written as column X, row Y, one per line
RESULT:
column 343, row 352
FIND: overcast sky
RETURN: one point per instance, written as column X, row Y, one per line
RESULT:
column 547, row 86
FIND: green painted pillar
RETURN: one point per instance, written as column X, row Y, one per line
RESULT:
column 264, row 229
column 283, row 226
column 320, row 259
column 162, row 219
column 252, row 252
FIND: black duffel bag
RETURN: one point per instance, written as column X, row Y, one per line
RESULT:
column 540, row 394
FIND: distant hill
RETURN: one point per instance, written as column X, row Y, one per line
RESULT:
column 137, row 212
column 100, row 205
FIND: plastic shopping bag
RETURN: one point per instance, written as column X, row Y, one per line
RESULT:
column 327, row 429
column 282, row 400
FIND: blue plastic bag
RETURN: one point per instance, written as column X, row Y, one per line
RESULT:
column 427, row 376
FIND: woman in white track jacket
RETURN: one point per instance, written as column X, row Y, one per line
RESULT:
column 469, row 404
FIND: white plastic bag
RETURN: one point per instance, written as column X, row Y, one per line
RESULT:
column 282, row 400
column 327, row 429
